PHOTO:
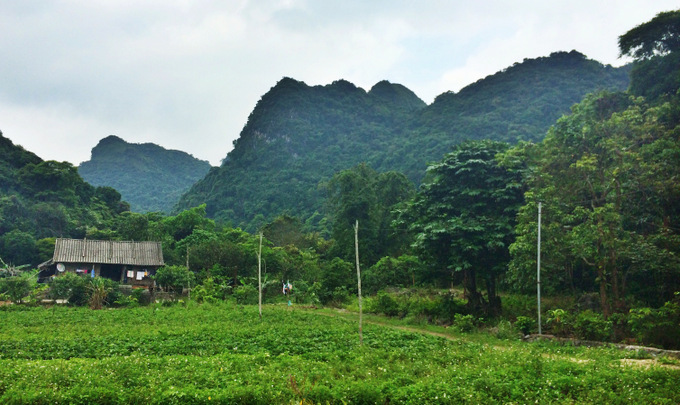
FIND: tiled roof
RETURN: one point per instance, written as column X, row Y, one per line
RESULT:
column 108, row 252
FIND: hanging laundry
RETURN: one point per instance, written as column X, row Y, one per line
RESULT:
column 131, row 274
column 140, row 275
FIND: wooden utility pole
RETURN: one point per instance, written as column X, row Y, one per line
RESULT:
column 356, row 250
column 259, row 276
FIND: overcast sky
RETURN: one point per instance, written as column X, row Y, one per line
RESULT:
column 185, row 74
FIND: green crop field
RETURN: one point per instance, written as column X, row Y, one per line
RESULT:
column 225, row 354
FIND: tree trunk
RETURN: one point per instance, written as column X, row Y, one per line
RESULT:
column 473, row 296
column 604, row 302
column 494, row 306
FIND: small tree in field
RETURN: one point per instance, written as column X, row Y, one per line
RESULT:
column 19, row 286
column 174, row 278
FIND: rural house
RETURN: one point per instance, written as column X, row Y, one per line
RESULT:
column 126, row 262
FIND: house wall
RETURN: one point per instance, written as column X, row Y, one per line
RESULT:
column 120, row 275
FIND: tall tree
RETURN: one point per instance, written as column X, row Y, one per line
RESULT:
column 362, row 194
column 463, row 217
column 655, row 46
column 659, row 36
column 607, row 190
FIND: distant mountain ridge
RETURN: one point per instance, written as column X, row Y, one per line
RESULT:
column 298, row 135
column 148, row 176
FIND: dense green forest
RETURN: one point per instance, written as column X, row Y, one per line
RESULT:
column 462, row 244
column 147, row 176
column 40, row 200
column 298, row 136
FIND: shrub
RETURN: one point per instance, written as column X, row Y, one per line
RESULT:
column 65, row 285
column 505, row 330
column 448, row 307
column 516, row 305
column 425, row 308
column 141, row 295
column 206, row 292
column 660, row 326
column 127, row 301
column 18, row 287
column 175, row 278
column 246, row 295
column 385, row 304
column 388, row 271
column 464, row 323
column 79, row 295
column 303, row 293
column 98, row 289
column 79, row 290
column 525, row 324
column 337, row 278
column 592, row 326
column 560, row 322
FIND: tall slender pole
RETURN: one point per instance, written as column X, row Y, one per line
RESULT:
column 188, row 289
column 356, row 250
column 259, row 276
column 538, row 269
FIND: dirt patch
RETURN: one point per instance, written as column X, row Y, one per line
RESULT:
column 647, row 363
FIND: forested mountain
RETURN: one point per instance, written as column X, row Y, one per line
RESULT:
column 148, row 176
column 43, row 199
column 518, row 103
column 298, row 135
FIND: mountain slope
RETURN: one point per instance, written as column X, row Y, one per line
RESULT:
column 518, row 103
column 298, row 136
column 148, row 176
column 43, row 199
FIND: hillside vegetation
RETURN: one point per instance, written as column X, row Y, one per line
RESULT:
column 298, row 135
column 148, row 176
column 40, row 200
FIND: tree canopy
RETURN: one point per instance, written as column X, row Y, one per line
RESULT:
column 657, row 37
column 463, row 217
column 607, row 177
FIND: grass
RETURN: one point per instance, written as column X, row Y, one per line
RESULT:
column 223, row 353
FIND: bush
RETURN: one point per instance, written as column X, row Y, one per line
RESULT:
column 464, row 323
column 126, row 301
column 505, row 330
column 141, row 296
column 659, row 327
column 525, row 324
column 18, row 287
column 99, row 289
column 385, row 304
column 590, row 325
column 208, row 291
column 79, row 294
column 515, row 305
column 560, row 322
column 424, row 308
column 388, row 271
column 65, row 285
column 174, row 278
column 246, row 295
column 448, row 307
column 337, row 278
column 303, row 293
